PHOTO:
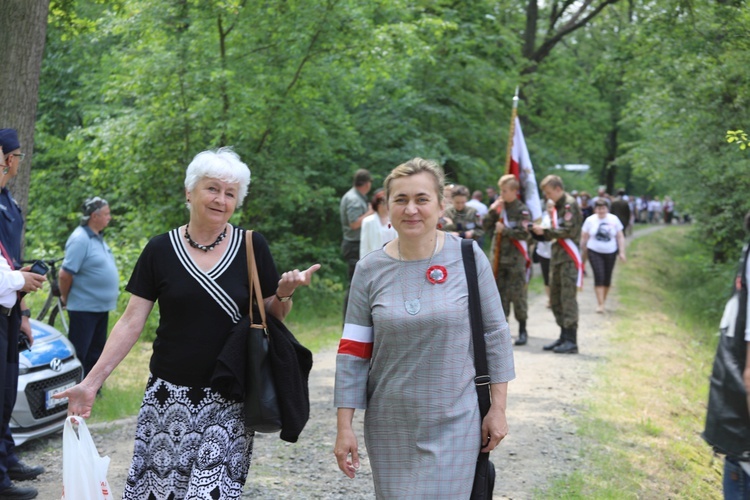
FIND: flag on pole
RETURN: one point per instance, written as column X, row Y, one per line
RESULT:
column 521, row 167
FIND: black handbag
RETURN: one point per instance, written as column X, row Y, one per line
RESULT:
column 259, row 358
column 484, row 476
column 262, row 413
column 727, row 416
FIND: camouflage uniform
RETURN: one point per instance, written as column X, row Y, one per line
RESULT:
column 563, row 270
column 465, row 220
column 511, row 273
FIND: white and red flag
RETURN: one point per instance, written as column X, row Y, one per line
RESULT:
column 521, row 167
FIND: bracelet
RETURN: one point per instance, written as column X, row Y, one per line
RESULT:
column 284, row 299
column 26, row 312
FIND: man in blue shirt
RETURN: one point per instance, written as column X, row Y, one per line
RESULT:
column 89, row 282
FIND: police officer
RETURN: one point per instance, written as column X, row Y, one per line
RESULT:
column 11, row 232
column 509, row 217
column 566, row 266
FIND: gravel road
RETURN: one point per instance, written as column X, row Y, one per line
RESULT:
column 542, row 444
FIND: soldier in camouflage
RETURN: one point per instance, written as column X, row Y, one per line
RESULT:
column 563, row 265
column 509, row 217
column 461, row 219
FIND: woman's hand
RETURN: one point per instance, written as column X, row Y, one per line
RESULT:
column 346, row 447
column 80, row 400
column 494, row 428
column 290, row 280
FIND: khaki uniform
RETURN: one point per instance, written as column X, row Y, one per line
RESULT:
column 563, row 270
column 463, row 221
column 511, row 273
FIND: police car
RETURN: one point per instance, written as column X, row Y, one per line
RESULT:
column 49, row 367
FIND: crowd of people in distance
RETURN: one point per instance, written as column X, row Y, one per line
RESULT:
column 640, row 209
column 575, row 229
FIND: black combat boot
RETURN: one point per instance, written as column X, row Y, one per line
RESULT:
column 557, row 342
column 523, row 337
column 570, row 345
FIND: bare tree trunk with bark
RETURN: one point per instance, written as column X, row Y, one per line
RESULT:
column 23, row 28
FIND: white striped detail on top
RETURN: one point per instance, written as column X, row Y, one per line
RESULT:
column 207, row 279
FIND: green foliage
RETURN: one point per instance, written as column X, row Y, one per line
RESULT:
column 307, row 92
column 738, row 137
column 691, row 88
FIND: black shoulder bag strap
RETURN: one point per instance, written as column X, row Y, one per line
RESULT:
column 482, row 380
column 484, row 475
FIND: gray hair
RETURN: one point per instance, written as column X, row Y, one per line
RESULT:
column 91, row 206
column 223, row 164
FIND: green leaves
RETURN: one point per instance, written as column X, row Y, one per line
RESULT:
column 739, row 137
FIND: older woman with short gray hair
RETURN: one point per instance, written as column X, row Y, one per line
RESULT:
column 191, row 441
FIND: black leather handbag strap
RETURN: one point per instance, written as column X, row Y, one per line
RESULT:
column 482, row 380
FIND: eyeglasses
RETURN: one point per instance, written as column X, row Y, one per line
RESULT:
column 20, row 156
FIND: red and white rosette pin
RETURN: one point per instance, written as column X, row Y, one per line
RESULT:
column 437, row 274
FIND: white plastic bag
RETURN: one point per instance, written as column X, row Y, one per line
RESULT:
column 84, row 471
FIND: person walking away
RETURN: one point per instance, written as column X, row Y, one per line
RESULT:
column 11, row 234
column 566, row 265
column 668, row 210
column 621, row 209
column 509, row 217
column 89, row 282
column 602, row 242
column 353, row 209
column 376, row 228
column 405, row 353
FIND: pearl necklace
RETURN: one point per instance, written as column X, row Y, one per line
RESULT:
column 205, row 248
column 413, row 306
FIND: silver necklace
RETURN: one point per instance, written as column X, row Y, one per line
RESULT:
column 413, row 306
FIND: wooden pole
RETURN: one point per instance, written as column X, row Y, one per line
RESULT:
column 511, row 133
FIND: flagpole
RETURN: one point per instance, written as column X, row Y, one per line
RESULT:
column 508, row 155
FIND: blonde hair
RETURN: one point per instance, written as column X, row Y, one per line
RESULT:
column 510, row 181
column 413, row 167
column 552, row 181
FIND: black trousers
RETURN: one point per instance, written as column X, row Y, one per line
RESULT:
column 10, row 328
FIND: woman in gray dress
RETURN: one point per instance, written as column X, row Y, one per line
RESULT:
column 406, row 354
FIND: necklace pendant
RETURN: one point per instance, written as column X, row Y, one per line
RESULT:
column 412, row 306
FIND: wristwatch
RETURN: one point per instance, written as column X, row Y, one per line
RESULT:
column 26, row 312
column 284, row 299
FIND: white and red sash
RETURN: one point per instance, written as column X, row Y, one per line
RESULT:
column 522, row 247
column 571, row 248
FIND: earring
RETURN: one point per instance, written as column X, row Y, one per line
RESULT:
column 439, row 226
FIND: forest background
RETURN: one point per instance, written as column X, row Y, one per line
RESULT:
column 643, row 91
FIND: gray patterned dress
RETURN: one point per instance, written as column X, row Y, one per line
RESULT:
column 414, row 373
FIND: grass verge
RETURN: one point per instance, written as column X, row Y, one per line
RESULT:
column 643, row 420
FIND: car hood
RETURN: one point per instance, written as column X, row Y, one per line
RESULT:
column 49, row 344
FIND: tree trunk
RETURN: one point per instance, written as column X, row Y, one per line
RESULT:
column 23, row 28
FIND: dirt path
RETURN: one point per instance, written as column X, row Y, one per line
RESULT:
column 542, row 443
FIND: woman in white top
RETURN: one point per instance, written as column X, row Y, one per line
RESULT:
column 543, row 249
column 602, row 241
column 376, row 228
